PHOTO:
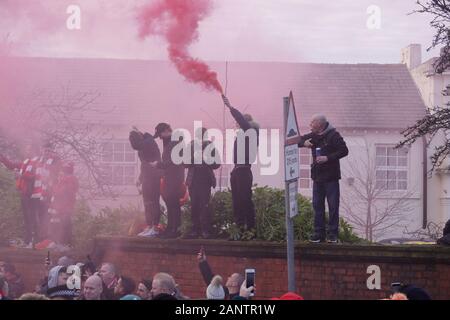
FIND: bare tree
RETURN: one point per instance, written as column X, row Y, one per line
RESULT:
column 369, row 206
column 67, row 120
column 433, row 231
column 440, row 10
column 437, row 119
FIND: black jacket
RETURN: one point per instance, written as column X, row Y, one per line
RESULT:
column 173, row 173
column 201, row 173
column 207, row 275
column 148, row 151
column 333, row 146
column 250, row 149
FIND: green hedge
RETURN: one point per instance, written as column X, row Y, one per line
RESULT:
column 269, row 205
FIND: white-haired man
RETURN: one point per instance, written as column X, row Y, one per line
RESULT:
column 327, row 148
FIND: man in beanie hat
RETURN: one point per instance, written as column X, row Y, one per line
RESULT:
column 173, row 177
column 241, row 178
column 215, row 289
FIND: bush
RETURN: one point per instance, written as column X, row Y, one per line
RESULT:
column 270, row 218
column 11, row 219
column 269, row 206
column 107, row 222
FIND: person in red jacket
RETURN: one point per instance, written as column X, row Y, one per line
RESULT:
column 25, row 176
column 62, row 205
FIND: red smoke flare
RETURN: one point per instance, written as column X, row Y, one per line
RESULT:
column 177, row 21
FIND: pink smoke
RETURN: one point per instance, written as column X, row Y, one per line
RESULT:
column 177, row 21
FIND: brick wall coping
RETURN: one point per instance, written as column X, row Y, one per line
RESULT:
column 263, row 249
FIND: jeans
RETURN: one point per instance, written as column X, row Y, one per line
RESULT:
column 330, row 191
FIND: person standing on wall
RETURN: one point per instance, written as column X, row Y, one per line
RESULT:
column 173, row 175
column 200, row 179
column 327, row 148
column 244, row 154
column 150, row 179
column 25, row 171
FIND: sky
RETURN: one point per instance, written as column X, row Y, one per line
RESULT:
column 236, row 30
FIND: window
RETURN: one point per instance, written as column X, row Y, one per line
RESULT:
column 119, row 163
column 391, row 168
column 305, row 168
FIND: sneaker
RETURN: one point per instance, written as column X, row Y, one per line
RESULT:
column 52, row 245
column 143, row 233
column 316, row 239
column 150, row 233
column 43, row 244
column 153, row 233
column 332, row 239
column 28, row 246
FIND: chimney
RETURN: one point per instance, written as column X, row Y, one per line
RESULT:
column 412, row 56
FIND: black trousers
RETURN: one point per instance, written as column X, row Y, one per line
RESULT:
column 200, row 195
column 151, row 194
column 29, row 219
column 241, row 190
column 39, row 211
column 172, row 200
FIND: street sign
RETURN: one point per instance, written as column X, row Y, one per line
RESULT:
column 293, row 204
column 291, row 174
column 291, row 162
column 292, row 132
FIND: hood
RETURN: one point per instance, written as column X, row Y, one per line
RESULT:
column 53, row 277
column 328, row 129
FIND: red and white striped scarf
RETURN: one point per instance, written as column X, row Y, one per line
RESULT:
column 42, row 182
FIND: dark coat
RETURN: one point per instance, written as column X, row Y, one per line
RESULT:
column 148, row 151
column 333, row 146
column 251, row 150
column 201, row 174
column 173, row 173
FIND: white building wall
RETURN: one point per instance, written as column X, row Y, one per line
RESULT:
column 431, row 87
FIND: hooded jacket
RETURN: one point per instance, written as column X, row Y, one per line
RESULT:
column 333, row 146
column 53, row 277
column 202, row 173
column 251, row 149
column 148, row 151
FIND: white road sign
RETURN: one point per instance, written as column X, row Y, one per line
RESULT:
column 291, row 162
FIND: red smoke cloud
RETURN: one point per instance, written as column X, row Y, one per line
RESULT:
column 177, row 21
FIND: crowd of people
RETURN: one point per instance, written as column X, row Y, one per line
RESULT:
column 106, row 282
column 48, row 189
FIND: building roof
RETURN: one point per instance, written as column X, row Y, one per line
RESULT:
column 143, row 93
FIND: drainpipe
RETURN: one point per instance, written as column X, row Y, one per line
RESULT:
column 424, row 183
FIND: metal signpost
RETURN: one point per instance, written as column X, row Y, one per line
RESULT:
column 291, row 173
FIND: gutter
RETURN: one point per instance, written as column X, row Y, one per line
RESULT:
column 424, row 183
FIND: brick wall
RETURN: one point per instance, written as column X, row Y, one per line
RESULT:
column 322, row 271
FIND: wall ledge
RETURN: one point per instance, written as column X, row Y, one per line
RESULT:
column 265, row 249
